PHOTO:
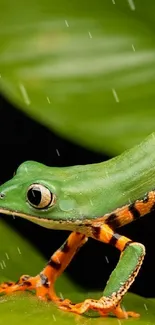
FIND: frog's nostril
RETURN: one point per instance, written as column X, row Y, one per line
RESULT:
column 2, row 195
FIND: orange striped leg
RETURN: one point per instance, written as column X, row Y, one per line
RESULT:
column 122, row 277
column 43, row 283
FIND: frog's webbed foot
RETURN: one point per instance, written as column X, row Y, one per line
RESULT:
column 22, row 284
column 43, row 287
column 103, row 306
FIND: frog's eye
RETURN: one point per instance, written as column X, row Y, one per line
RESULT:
column 40, row 197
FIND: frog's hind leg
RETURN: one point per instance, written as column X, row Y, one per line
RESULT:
column 43, row 283
column 132, row 255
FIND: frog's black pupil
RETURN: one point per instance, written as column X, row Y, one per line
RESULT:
column 34, row 196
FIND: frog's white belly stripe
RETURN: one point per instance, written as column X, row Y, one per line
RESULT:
column 76, row 225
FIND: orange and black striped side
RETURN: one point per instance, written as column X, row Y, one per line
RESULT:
column 131, row 212
column 103, row 228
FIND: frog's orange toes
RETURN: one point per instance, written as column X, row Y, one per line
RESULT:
column 25, row 282
column 104, row 306
column 122, row 313
column 44, row 289
column 6, row 285
column 9, row 285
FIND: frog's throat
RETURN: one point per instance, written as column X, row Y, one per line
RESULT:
column 72, row 225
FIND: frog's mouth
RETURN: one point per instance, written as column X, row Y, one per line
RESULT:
column 48, row 223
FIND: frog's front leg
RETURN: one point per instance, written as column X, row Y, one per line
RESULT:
column 132, row 255
column 43, row 283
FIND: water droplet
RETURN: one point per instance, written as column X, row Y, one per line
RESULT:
column 115, row 95
column 131, row 4
column 24, row 94
column 66, row 22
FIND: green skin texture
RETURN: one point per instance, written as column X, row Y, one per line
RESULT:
column 124, row 269
column 75, row 189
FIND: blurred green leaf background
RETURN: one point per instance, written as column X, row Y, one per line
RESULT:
column 82, row 68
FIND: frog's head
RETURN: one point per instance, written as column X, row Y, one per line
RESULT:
column 35, row 193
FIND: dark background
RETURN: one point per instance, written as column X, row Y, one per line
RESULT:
column 23, row 139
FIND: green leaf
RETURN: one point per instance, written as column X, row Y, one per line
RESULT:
column 19, row 257
column 82, row 68
column 23, row 309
